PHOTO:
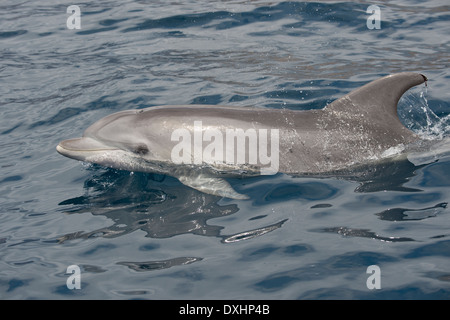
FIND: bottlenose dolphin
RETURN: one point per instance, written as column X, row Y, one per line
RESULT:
column 202, row 144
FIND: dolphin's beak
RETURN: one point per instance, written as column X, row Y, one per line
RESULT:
column 81, row 148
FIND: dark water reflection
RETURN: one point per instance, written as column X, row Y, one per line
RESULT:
column 139, row 201
column 162, row 207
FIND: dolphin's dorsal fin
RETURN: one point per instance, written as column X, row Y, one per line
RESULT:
column 378, row 99
column 382, row 94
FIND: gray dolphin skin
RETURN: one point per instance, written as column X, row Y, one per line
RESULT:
column 202, row 144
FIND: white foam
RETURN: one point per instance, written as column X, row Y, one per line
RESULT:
column 392, row 151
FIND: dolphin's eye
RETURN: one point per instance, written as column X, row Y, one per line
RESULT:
column 141, row 149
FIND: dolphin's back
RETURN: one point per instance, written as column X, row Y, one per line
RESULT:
column 359, row 127
column 354, row 130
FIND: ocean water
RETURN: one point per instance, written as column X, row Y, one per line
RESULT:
column 147, row 236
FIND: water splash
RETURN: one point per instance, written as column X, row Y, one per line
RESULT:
column 416, row 114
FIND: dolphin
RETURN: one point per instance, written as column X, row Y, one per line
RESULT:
column 203, row 144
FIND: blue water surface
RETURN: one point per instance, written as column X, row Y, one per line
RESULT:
column 147, row 236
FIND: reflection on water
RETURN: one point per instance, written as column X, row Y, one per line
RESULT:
column 394, row 214
column 383, row 176
column 324, row 269
column 402, row 214
column 156, row 265
column 389, row 176
column 148, row 202
column 252, row 233
column 364, row 233
column 139, row 202
column 163, row 208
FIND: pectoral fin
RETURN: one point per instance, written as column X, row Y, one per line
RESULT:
column 211, row 185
